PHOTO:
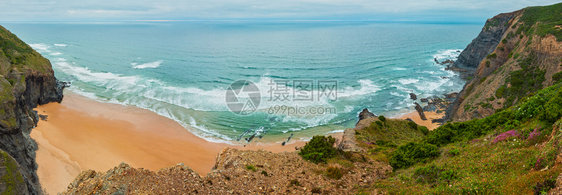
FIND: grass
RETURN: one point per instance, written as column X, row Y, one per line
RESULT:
column 21, row 55
column 479, row 168
column 542, row 20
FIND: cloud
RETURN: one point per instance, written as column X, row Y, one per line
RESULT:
column 108, row 10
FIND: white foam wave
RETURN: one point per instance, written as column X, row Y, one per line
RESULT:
column 408, row 81
column 40, row 47
column 443, row 55
column 60, row 45
column 335, row 131
column 366, row 87
column 56, row 53
column 428, row 86
column 154, row 64
column 398, row 68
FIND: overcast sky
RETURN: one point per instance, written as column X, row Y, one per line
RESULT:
column 375, row 10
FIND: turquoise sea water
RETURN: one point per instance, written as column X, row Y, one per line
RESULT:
column 182, row 70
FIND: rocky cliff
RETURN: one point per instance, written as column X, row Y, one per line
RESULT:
column 483, row 44
column 26, row 80
column 515, row 55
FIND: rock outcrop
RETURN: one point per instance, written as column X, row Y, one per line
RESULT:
column 420, row 111
column 235, row 172
column 26, row 80
column 484, row 44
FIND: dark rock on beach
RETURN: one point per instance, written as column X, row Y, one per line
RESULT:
column 413, row 96
column 420, row 111
column 365, row 114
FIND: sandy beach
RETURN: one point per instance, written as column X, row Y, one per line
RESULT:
column 427, row 123
column 81, row 134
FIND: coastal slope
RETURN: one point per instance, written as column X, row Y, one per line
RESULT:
column 502, row 73
column 26, row 80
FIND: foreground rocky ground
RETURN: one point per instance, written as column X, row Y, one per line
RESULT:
column 238, row 172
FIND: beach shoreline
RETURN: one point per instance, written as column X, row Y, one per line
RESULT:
column 81, row 134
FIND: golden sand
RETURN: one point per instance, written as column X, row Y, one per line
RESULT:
column 81, row 134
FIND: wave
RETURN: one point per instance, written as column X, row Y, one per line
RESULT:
column 451, row 54
column 40, row 47
column 408, row 81
column 154, row 64
column 60, row 45
column 366, row 87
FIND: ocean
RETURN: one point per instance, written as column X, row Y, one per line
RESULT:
column 308, row 78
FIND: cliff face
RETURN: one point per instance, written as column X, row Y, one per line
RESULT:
column 521, row 56
column 26, row 80
column 483, row 44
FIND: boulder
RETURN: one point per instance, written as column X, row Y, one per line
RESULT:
column 413, row 96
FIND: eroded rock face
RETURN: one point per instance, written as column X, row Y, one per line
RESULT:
column 484, row 44
column 24, row 84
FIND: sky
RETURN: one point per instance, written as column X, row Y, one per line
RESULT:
column 353, row 10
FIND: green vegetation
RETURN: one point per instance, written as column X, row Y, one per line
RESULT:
column 557, row 77
column 19, row 54
column 488, row 63
column 12, row 177
column 492, row 55
column 546, row 18
column 480, row 160
column 334, row 172
column 251, row 167
column 411, row 153
column 527, row 80
column 382, row 118
column 319, row 149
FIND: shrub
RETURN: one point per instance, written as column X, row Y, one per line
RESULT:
column 334, row 172
column 379, row 123
column 319, row 149
column 264, row 173
column 411, row 153
column 382, row 118
column 424, row 130
column 557, row 77
column 492, row 55
column 454, row 152
column 552, row 109
column 413, row 124
column 433, row 174
column 294, row 182
column 251, row 167
column 545, row 186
